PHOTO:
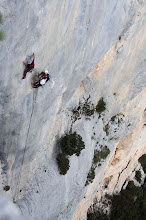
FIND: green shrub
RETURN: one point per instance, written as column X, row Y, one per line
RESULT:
column 91, row 176
column 120, row 114
column 113, row 118
column 91, row 216
column 130, row 185
column 138, row 176
column 98, row 156
column 1, row 33
column 101, row 106
column 97, row 216
column 106, row 129
column 6, row 188
column 2, row 36
column 72, row 144
column 63, row 163
column 86, row 108
column 76, row 115
column 142, row 160
column 102, row 154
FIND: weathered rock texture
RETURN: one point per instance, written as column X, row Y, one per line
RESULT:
column 69, row 38
column 9, row 211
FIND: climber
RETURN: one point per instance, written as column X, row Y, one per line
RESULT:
column 43, row 78
column 44, row 75
column 28, row 67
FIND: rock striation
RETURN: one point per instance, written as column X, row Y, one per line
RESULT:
column 92, row 49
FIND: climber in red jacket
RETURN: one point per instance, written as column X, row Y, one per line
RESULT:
column 28, row 67
column 42, row 79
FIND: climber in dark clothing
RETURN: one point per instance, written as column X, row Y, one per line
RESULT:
column 43, row 78
column 28, row 67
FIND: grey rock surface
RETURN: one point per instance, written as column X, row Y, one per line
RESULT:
column 9, row 211
column 69, row 39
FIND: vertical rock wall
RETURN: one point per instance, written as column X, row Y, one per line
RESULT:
column 120, row 79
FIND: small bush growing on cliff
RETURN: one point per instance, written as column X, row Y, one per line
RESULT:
column 1, row 33
column 98, row 156
column 72, row 144
column 97, row 216
column 101, row 106
column 6, row 188
column 138, row 176
column 85, row 108
column 88, row 109
column 91, row 216
column 115, row 116
column 102, row 154
column 91, row 176
column 63, row 163
column 142, row 160
column 106, row 129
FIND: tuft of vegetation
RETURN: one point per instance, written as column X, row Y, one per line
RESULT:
column 76, row 114
column 72, row 144
column 102, row 154
column 91, row 216
column 101, row 106
column 106, row 129
column 6, row 188
column 1, row 33
column 63, row 163
column 115, row 116
column 98, row 156
column 130, row 185
column 91, row 176
column 142, row 160
column 97, row 216
column 2, row 36
column 138, row 176
column 86, row 108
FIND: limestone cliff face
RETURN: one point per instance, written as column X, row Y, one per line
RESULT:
column 69, row 39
